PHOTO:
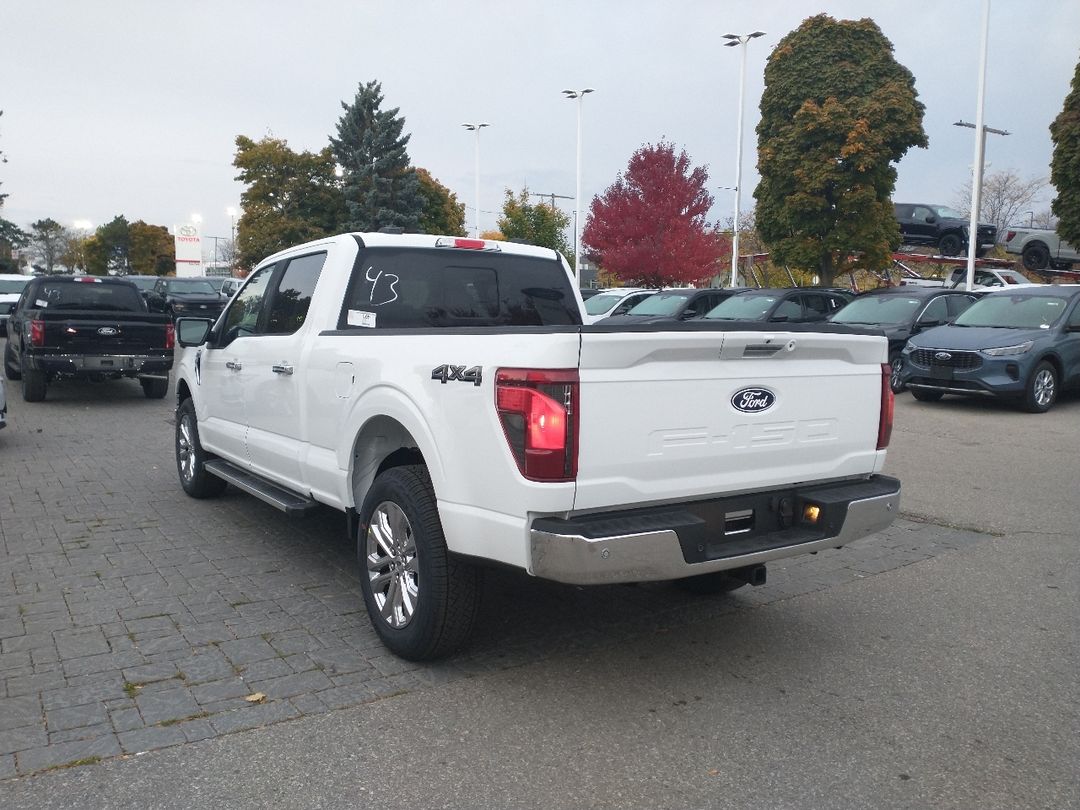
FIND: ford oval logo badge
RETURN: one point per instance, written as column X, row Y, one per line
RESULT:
column 108, row 331
column 753, row 400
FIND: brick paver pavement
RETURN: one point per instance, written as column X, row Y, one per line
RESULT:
column 133, row 617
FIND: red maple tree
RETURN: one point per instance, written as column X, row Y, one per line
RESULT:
column 649, row 227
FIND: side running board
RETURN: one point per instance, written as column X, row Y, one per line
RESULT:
column 286, row 500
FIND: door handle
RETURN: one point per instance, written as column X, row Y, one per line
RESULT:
column 284, row 368
column 234, row 365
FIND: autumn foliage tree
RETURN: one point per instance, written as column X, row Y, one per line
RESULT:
column 649, row 226
column 837, row 112
column 534, row 223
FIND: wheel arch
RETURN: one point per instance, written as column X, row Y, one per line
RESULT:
column 382, row 443
column 183, row 390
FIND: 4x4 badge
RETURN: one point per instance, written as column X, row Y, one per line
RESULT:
column 447, row 373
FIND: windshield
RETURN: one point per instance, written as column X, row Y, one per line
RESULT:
column 1014, row 311
column 13, row 285
column 661, row 304
column 599, row 304
column 142, row 282
column 879, row 309
column 944, row 212
column 191, row 286
column 743, row 308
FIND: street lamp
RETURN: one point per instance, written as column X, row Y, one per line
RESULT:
column 580, row 96
column 476, row 128
column 733, row 40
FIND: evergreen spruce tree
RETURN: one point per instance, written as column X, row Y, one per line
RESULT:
column 1065, row 165
column 381, row 188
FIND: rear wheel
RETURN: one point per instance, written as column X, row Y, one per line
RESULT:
column 950, row 245
column 191, row 458
column 927, row 394
column 1036, row 257
column 10, row 371
column 33, row 385
column 1042, row 389
column 155, row 389
column 422, row 601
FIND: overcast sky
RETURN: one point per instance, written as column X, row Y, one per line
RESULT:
column 133, row 107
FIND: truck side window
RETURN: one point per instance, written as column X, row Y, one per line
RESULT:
column 293, row 294
column 242, row 316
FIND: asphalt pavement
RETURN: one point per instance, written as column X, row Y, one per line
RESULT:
column 941, row 671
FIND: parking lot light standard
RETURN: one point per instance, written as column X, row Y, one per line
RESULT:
column 580, row 96
column 733, row 40
column 476, row 128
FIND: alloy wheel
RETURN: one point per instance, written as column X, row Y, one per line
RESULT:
column 392, row 564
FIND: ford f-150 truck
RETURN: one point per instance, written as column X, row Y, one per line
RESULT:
column 1040, row 248
column 86, row 327
column 445, row 395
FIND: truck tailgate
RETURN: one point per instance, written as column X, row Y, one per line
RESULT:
column 105, row 333
column 657, row 421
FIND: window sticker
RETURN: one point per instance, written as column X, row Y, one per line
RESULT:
column 40, row 303
column 383, row 287
column 358, row 317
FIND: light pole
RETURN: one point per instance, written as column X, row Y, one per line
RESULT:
column 476, row 128
column 976, row 191
column 232, row 237
column 733, row 40
column 580, row 96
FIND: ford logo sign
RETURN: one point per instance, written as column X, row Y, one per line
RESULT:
column 942, row 356
column 753, row 400
column 108, row 331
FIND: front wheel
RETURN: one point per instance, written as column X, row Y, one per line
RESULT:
column 950, row 245
column 896, row 368
column 927, row 394
column 1042, row 389
column 421, row 600
column 191, row 458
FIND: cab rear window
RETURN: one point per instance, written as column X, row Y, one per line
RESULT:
column 89, row 295
column 400, row 288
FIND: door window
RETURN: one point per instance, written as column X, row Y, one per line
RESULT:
column 790, row 310
column 937, row 311
column 920, row 212
column 242, row 316
column 958, row 303
column 293, row 294
column 816, row 306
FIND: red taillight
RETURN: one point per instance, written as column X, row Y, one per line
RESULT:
column 539, row 415
column 1009, row 235
column 170, row 336
column 884, row 431
column 37, row 333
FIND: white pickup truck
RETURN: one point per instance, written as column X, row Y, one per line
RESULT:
column 445, row 395
column 1040, row 248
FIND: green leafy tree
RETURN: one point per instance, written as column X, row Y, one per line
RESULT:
column 381, row 187
column 649, row 226
column 1065, row 165
column 73, row 256
column 109, row 249
column 152, row 250
column 291, row 197
column 47, row 242
column 442, row 213
column 537, row 224
column 837, row 112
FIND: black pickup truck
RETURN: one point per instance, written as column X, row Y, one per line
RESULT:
column 86, row 327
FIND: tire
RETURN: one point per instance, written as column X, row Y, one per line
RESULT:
column 10, row 371
column 710, row 584
column 191, row 458
column 896, row 364
column 927, row 394
column 1035, row 257
column 155, row 389
column 950, row 245
column 421, row 600
column 1041, row 391
column 33, row 385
